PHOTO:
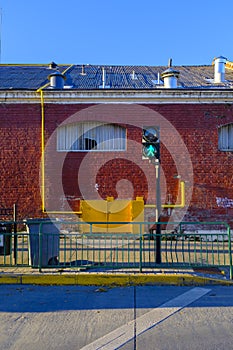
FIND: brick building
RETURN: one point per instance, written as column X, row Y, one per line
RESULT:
column 71, row 132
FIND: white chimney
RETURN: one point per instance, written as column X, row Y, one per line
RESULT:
column 219, row 69
column 57, row 80
column 170, row 77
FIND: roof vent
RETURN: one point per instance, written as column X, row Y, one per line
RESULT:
column 219, row 69
column 158, row 78
column 170, row 76
column 57, row 80
column 133, row 75
column 103, row 77
column 83, row 70
column 52, row 65
column 103, row 85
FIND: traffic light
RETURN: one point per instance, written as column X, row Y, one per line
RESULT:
column 150, row 142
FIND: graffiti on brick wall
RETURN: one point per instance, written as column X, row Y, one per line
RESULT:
column 224, row 202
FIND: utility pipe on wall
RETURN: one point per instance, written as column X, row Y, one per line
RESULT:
column 42, row 102
column 181, row 205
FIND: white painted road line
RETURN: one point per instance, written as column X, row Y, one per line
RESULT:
column 125, row 333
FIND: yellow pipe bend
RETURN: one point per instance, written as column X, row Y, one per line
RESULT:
column 182, row 203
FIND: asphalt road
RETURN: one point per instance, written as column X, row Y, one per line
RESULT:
column 128, row 318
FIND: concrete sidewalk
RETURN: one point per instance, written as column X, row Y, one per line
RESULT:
column 114, row 277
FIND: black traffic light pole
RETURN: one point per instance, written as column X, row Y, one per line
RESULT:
column 158, row 213
column 15, row 232
column 151, row 151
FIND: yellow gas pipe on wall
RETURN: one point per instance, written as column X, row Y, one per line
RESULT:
column 182, row 203
column 42, row 102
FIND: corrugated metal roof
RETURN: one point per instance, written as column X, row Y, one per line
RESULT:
column 86, row 77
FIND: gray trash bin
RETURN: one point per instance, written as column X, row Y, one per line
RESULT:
column 47, row 240
column 5, row 238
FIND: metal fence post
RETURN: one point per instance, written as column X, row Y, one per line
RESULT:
column 158, row 242
column 140, row 249
column 229, row 248
column 40, row 246
column 15, row 232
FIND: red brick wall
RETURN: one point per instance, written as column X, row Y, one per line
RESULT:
column 20, row 157
column 197, row 125
column 213, row 169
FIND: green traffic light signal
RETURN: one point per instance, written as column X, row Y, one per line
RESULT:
column 150, row 151
column 150, row 143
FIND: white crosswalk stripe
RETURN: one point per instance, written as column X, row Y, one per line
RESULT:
column 125, row 333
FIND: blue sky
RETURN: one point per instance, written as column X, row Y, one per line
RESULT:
column 124, row 32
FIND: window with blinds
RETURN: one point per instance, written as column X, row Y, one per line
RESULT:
column 91, row 136
column 225, row 137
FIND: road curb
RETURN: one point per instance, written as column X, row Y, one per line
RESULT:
column 111, row 279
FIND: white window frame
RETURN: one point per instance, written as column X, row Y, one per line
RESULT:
column 225, row 137
column 91, row 136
